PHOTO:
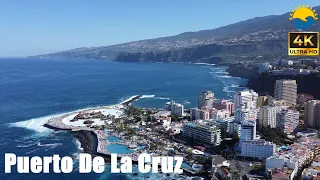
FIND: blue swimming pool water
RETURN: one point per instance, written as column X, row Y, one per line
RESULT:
column 196, row 167
column 120, row 149
column 113, row 139
column 184, row 165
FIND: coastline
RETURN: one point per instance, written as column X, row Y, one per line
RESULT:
column 94, row 142
column 87, row 140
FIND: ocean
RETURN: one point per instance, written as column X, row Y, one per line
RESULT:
column 33, row 90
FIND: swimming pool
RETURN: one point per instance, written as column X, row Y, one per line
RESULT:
column 184, row 165
column 118, row 148
column 113, row 139
column 196, row 167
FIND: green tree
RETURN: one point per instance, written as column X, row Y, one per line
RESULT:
column 174, row 117
column 235, row 136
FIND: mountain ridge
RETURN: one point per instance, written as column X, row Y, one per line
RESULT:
column 226, row 43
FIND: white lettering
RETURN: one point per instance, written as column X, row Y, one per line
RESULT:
column 126, row 165
column 36, row 164
column 177, row 168
column 141, row 163
column 66, row 164
column 10, row 160
column 114, row 164
column 98, row 164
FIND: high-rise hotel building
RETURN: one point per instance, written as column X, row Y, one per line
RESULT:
column 245, row 100
column 312, row 114
column 286, row 90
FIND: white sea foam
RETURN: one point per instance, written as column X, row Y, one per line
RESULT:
column 208, row 64
column 147, row 96
column 162, row 98
column 35, row 125
column 186, row 102
column 52, row 145
column 225, row 76
column 126, row 99
column 26, row 145
column 78, row 144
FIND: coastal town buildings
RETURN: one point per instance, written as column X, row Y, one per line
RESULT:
column 205, row 99
column 224, row 104
column 286, row 90
column 246, row 114
column 245, row 99
column 195, row 114
column 262, row 101
column 248, row 131
column 303, row 98
column 288, row 120
column 283, row 62
column 312, row 114
column 162, row 117
column 309, row 62
column 313, row 171
column 268, row 116
column 219, row 114
column 274, row 102
column 258, row 148
column 264, row 67
column 288, row 160
column 203, row 133
column 225, row 123
column 175, row 108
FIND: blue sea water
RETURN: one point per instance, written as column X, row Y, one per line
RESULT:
column 31, row 91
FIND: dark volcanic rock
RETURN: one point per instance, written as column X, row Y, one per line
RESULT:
column 243, row 71
column 264, row 84
column 88, row 141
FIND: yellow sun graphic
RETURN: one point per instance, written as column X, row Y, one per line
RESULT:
column 302, row 12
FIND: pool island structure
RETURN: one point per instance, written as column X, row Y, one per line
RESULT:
column 116, row 130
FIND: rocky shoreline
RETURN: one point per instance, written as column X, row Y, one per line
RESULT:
column 87, row 140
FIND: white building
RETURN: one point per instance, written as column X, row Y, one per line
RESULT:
column 175, row 108
column 205, row 99
column 279, row 162
column 268, row 116
column 204, row 133
column 246, row 114
column 248, row 131
column 245, row 100
column 225, row 123
column 258, row 148
column 288, row 120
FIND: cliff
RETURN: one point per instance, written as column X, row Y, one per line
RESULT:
column 264, row 83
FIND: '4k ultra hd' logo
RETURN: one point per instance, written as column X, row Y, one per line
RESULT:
column 303, row 17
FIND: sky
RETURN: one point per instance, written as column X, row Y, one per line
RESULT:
column 32, row 27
